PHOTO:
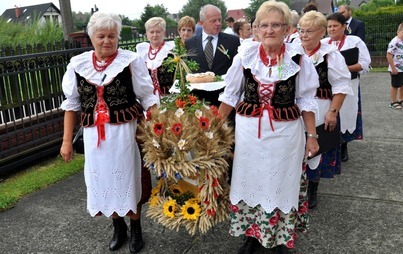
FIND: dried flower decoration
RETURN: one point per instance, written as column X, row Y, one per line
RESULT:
column 223, row 50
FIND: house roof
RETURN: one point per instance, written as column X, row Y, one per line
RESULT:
column 27, row 12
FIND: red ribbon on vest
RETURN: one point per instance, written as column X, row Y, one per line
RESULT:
column 156, row 83
column 266, row 95
column 102, row 115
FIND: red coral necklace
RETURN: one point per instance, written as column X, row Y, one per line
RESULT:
column 104, row 64
column 265, row 59
column 314, row 50
column 152, row 55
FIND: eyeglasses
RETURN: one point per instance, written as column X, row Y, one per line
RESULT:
column 307, row 32
column 274, row 26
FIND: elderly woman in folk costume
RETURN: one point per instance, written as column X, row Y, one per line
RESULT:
column 155, row 52
column 111, row 87
column 268, row 188
column 348, row 45
column 334, row 85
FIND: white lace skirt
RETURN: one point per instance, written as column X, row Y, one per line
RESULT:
column 112, row 170
column 267, row 170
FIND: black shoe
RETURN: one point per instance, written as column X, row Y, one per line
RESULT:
column 249, row 246
column 312, row 194
column 119, row 234
column 344, row 153
column 136, row 237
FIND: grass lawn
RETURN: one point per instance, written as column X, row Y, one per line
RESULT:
column 37, row 177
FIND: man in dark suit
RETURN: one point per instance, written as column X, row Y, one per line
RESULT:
column 224, row 48
column 354, row 26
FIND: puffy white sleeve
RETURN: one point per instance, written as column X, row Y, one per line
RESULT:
column 338, row 74
column 233, row 83
column 142, row 84
column 69, row 86
column 306, row 84
column 364, row 58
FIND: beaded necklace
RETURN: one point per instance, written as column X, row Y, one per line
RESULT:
column 265, row 59
column 152, row 55
column 104, row 64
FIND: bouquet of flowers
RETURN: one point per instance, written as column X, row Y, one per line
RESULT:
column 187, row 144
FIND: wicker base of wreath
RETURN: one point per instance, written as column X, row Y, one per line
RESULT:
column 189, row 151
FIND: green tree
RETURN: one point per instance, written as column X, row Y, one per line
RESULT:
column 154, row 11
column 192, row 8
column 126, row 21
column 376, row 4
column 255, row 4
column 80, row 20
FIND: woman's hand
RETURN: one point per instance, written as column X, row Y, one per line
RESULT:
column 66, row 151
column 312, row 147
column 330, row 121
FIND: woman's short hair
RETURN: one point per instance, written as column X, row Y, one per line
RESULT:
column 273, row 6
column 205, row 8
column 187, row 21
column 155, row 21
column 238, row 24
column 313, row 18
column 310, row 7
column 337, row 17
column 294, row 18
column 104, row 21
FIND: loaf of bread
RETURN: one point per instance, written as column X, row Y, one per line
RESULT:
column 200, row 77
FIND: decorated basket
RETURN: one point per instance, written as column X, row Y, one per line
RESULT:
column 187, row 144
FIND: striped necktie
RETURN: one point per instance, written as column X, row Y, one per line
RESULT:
column 208, row 51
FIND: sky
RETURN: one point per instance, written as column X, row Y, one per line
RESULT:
column 130, row 8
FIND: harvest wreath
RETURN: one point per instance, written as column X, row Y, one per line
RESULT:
column 187, row 145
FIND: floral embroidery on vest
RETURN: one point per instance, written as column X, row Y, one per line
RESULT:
column 120, row 99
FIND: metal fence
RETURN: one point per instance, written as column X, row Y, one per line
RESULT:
column 31, row 122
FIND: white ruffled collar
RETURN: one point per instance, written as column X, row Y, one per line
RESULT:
column 249, row 53
column 83, row 63
column 142, row 50
column 324, row 49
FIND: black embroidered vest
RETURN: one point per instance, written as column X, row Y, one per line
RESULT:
column 282, row 100
column 118, row 95
column 165, row 78
column 324, row 91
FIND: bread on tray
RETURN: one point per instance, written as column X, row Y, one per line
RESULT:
column 203, row 77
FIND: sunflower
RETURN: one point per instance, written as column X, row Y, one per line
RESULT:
column 190, row 210
column 154, row 201
column 169, row 208
column 176, row 190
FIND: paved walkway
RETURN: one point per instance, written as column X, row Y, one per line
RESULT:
column 359, row 211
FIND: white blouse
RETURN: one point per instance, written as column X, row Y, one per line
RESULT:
column 142, row 50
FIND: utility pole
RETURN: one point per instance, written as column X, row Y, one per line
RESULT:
column 67, row 18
